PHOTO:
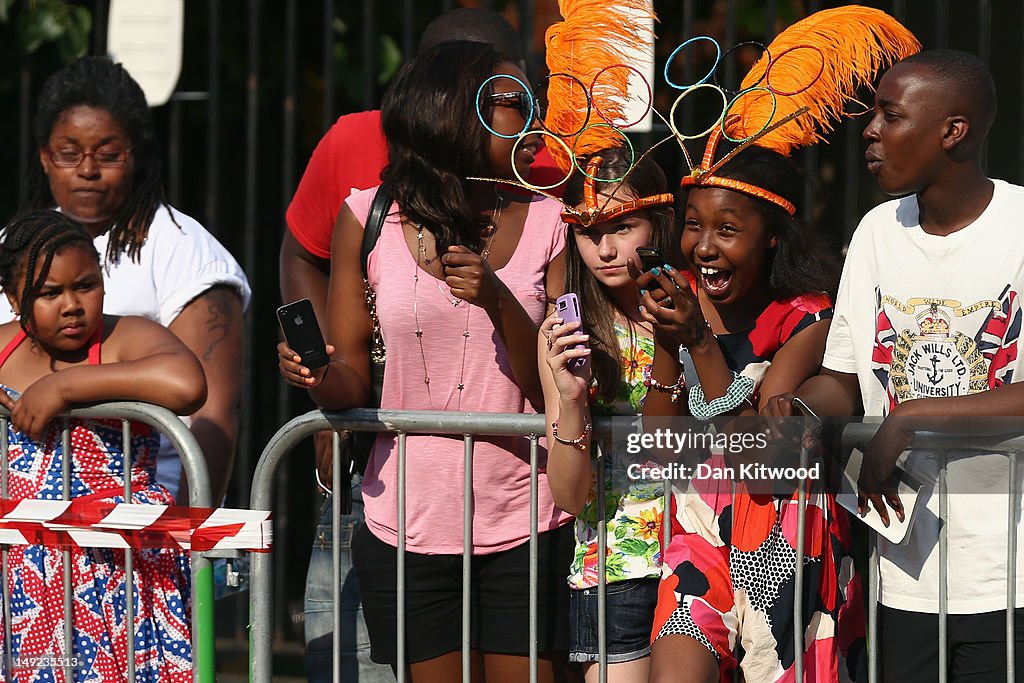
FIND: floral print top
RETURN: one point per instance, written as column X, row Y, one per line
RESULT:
column 633, row 508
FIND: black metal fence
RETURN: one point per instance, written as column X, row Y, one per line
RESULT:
column 261, row 81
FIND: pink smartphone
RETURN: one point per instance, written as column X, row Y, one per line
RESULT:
column 568, row 308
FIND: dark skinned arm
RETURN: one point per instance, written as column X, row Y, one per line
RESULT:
column 304, row 275
column 345, row 382
column 144, row 362
column 211, row 327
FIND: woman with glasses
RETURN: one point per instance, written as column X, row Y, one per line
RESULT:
column 99, row 163
column 461, row 275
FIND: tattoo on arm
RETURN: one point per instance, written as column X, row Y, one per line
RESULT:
column 219, row 313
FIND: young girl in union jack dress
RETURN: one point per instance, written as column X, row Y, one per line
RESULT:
column 64, row 351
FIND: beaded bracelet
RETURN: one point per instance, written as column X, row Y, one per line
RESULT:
column 737, row 393
column 578, row 442
column 676, row 390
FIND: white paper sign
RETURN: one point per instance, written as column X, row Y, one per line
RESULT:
column 146, row 37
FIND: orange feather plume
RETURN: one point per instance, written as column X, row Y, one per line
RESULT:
column 594, row 34
column 855, row 43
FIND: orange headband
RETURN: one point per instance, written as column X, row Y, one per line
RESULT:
column 593, row 214
column 703, row 176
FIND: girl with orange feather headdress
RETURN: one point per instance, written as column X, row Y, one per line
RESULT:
column 752, row 311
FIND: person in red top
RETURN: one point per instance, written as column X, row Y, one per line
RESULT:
column 348, row 158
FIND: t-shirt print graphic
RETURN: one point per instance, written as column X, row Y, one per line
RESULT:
column 934, row 347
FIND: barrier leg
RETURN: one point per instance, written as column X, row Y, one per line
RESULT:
column 400, row 562
column 1011, row 565
column 534, row 556
column 202, row 620
column 943, row 569
column 602, row 583
column 798, row 578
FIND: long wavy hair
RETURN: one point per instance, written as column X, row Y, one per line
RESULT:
column 802, row 261
column 599, row 308
column 31, row 238
column 435, row 139
column 99, row 83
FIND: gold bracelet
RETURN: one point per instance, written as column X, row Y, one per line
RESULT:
column 578, row 442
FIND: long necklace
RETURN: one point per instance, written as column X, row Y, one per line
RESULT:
column 422, row 260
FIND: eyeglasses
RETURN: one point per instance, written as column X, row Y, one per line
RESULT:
column 519, row 100
column 72, row 158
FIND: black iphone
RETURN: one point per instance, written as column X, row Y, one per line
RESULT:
column 298, row 322
column 650, row 257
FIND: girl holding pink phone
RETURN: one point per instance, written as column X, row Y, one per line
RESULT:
column 606, row 371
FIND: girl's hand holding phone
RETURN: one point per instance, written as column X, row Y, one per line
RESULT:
column 560, row 337
column 668, row 303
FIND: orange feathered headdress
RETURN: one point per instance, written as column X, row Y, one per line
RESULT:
column 594, row 213
column 593, row 38
column 801, row 84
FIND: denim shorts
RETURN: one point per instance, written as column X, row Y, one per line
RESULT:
column 630, row 616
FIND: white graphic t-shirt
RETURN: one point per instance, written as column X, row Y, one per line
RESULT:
column 925, row 316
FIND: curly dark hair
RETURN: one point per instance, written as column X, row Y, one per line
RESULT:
column 99, row 83
column 598, row 307
column 32, row 235
column 803, row 261
column 435, row 139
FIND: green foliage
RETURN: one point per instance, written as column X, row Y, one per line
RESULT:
column 38, row 22
column 347, row 59
column 5, row 10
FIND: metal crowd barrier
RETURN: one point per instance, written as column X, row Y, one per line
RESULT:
column 943, row 444
column 470, row 425
column 403, row 423
column 194, row 466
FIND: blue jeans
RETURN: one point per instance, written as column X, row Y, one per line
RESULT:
column 356, row 666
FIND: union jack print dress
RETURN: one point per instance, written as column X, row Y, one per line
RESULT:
column 161, row 628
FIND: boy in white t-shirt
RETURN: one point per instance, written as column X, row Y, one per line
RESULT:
column 926, row 327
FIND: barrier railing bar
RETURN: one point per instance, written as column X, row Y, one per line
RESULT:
column 735, row 649
column 467, row 551
column 65, row 471
column 873, row 560
column 129, row 558
column 943, row 561
column 602, row 562
column 6, row 594
column 1011, row 566
column 798, row 576
column 666, row 518
column 534, row 554
column 336, row 554
column 400, row 561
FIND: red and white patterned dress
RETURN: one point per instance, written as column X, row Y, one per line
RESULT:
column 729, row 571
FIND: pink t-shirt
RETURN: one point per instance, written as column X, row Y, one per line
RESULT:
column 434, row 464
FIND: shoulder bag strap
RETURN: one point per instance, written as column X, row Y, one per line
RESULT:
column 374, row 223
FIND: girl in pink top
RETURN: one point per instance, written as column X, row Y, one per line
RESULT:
column 462, row 275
